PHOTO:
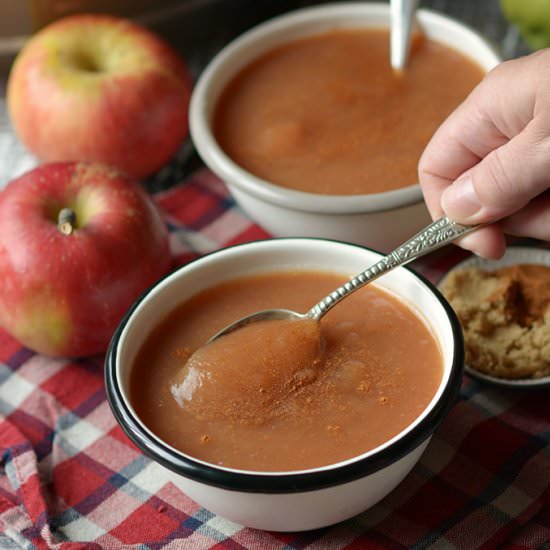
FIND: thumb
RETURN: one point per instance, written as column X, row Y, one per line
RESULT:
column 501, row 183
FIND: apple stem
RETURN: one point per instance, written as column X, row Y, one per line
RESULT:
column 66, row 221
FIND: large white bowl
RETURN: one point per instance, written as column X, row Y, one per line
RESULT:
column 381, row 220
column 299, row 500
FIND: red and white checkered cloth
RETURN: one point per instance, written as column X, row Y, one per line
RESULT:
column 70, row 478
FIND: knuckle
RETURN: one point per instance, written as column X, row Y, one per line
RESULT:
column 500, row 185
column 542, row 147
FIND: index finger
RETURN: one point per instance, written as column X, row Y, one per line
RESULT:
column 463, row 139
column 496, row 110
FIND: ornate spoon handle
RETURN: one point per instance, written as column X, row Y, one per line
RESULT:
column 432, row 237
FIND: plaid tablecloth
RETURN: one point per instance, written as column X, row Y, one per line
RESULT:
column 71, row 479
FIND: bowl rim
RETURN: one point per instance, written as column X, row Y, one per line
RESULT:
column 246, row 182
column 281, row 482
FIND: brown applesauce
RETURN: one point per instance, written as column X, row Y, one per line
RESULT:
column 281, row 357
column 327, row 114
column 379, row 367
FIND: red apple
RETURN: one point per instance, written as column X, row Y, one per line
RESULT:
column 78, row 243
column 103, row 89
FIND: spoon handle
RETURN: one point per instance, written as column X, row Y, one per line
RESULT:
column 402, row 19
column 434, row 236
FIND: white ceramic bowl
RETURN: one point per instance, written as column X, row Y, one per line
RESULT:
column 381, row 220
column 299, row 500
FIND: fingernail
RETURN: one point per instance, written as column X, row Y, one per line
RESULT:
column 460, row 201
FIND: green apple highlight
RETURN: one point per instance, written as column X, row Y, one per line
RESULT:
column 532, row 18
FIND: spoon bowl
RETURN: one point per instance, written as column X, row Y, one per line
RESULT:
column 434, row 236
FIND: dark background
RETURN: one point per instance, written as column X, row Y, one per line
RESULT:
column 199, row 28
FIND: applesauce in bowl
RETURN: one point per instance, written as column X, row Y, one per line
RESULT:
column 327, row 113
column 260, row 407
column 307, row 494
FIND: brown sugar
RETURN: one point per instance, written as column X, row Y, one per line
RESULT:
column 505, row 316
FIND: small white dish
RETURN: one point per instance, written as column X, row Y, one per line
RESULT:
column 514, row 255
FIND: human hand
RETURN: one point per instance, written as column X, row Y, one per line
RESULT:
column 489, row 162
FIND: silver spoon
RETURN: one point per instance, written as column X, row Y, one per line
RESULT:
column 432, row 237
column 402, row 19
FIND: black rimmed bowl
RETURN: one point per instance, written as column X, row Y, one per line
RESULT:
column 297, row 500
